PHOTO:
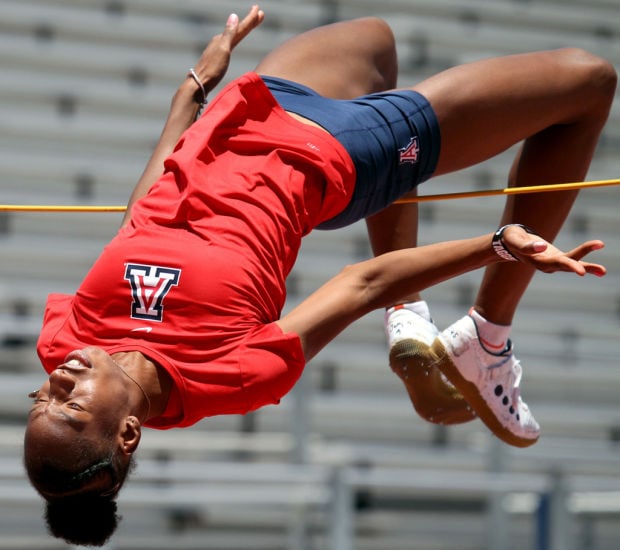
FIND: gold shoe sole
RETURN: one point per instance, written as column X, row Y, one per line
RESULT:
column 432, row 396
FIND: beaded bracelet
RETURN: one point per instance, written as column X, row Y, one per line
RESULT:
column 500, row 246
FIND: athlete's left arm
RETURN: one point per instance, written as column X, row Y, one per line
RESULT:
column 381, row 281
column 210, row 69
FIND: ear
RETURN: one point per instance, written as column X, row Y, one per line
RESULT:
column 130, row 434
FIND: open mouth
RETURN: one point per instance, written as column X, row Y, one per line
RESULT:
column 76, row 360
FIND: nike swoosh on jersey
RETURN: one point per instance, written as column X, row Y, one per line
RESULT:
column 142, row 329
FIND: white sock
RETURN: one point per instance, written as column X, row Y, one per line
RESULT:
column 494, row 337
column 420, row 307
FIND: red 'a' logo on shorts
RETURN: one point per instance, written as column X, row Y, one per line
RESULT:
column 410, row 152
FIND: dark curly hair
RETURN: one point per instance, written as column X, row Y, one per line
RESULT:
column 80, row 493
column 87, row 520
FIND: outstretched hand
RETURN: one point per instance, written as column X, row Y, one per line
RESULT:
column 214, row 61
column 544, row 256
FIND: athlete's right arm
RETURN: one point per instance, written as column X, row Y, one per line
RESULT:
column 210, row 69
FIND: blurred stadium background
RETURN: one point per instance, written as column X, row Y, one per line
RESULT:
column 343, row 463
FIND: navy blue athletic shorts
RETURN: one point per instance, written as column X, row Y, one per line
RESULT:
column 393, row 139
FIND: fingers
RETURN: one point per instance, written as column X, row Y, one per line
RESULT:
column 583, row 268
column 238, row 30
column 215, row 59
column 232, row 23
column 595, row 269
column 546, row 257
column 585, row 248
column 556, row 260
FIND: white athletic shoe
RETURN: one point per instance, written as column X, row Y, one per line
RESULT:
column 404, row 327
column 489, row 381
column 434, row 398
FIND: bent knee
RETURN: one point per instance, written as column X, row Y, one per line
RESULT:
column 377, row 34
column 371, row 47
column 376, row 26
column 598, row 76
column 380, row 37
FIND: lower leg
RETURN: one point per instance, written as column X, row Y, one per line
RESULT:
column 560, row 154
column 395, row 228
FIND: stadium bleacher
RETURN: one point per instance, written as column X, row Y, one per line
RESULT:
column 343, row 463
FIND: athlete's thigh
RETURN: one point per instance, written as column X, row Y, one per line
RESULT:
column 487, row 106
column 341, row 60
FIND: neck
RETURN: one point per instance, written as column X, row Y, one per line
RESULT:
column 147, row 399
column 153, row 382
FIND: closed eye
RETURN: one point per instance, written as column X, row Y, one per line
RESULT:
column 35, row 396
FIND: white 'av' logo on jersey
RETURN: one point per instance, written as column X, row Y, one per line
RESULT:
column 149, row 286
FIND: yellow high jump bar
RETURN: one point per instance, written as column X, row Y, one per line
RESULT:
column 58, row 208
column 423, row 198
column 511, row 191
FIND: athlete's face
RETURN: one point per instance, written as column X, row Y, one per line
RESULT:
column 88, row 393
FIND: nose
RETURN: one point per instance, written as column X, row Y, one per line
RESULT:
column 61, row 382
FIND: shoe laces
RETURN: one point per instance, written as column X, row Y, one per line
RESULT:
column 517, row 372
column 513, row 375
